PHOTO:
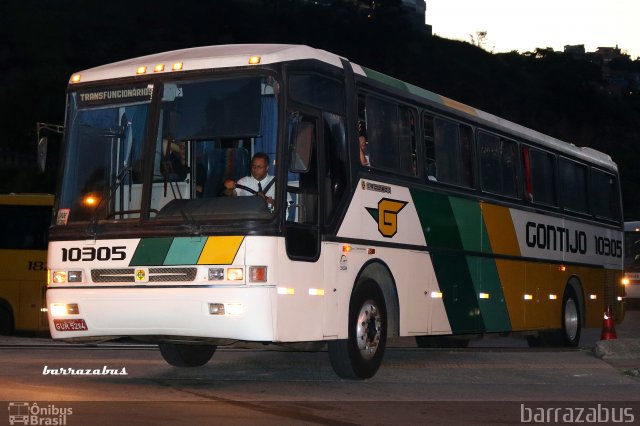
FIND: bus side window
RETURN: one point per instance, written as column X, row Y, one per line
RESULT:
column 604, row 195
column 540, row 176
column 498, row 165
column 407, row 141
column 573, row 186
column 453, row 150
column 430, row 170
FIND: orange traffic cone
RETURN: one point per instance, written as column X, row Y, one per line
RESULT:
column 608, row 326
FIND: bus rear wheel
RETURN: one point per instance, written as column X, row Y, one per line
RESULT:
column 570, row 327
column 571, row 318
column 360, row 356
column 180, row 355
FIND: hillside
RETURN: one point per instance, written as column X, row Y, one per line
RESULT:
column 549, row 92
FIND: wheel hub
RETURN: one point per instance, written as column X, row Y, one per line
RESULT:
column 368, row 329
column 571, row 319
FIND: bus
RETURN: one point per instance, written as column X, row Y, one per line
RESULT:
column 632, row 261
column 395, row 212
column 24, row 223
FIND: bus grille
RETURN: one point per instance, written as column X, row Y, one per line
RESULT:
column 155, row 275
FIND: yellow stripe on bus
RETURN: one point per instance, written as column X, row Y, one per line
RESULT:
column 220, row 250
column 502, row 234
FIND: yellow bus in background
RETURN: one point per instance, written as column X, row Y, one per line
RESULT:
column 24, row 224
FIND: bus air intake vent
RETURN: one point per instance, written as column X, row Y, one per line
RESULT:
column 112, row 275
column 155, row 275
column 172, row 274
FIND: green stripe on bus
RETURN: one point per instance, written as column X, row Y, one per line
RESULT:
column 452, row 270
column 151, row 251
column 483, row 271
column 185, row 251
column 383, row 78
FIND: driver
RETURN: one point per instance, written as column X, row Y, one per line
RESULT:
column 258, row 183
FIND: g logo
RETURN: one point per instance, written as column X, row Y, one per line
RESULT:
column 387, row 216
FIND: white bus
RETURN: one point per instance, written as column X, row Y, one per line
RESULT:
column 397, row 212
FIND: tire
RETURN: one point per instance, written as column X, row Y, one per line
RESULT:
column 180, row 355
column 7, row 325
column 360, row 356
column 571, row 318
column 441, row 342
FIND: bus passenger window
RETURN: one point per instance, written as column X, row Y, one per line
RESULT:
column 430, row 149
column 452, row 149
column 540, row 176
column 407, row 141
column 604, row 195
column 573, row 186
column 498, row 165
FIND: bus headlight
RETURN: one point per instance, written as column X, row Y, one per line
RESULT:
column 74, row 276
column 235, row 274
column 62, row 309
column 59, row 277
column 62, row 277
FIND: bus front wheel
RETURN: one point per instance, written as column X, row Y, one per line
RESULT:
column 180, row 355
column 360, row 356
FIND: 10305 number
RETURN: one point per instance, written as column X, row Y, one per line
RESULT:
column 89, row 254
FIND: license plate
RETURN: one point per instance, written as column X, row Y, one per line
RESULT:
column 70, row 324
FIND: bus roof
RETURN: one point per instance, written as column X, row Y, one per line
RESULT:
column 238, row 55
column 26, row 199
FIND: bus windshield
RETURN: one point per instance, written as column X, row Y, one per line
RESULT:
column 205, row 133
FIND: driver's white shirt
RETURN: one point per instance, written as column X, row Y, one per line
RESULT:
column 251, row 182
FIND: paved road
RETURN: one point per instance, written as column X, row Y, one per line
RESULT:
column 490, row 384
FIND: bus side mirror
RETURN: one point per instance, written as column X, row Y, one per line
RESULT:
column 42, row 153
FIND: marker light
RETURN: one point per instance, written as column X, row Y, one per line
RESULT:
column 484, row 295
column 553, row 297
column 625, row 281
column 286, row 290
column 177, row 66
column 436, row 295
column 528, row 297
column 316, row 292
column 593, row 296
column 158, row 68
column 258, row 274
column 619, row 298
column 562, row 268
column 141, row 70
column 254, row 60
column 235, row 274
column 346, row 248
column 75, row 78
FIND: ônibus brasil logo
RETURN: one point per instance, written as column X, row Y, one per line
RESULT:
column 28, row 413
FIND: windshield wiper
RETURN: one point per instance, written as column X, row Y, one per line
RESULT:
column 119, row 180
